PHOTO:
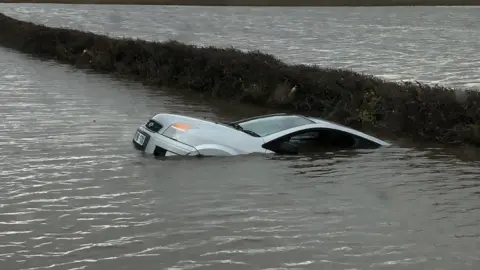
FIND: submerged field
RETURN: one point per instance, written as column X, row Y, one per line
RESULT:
column 74, row 193
column 265, row 2
column 416, row 110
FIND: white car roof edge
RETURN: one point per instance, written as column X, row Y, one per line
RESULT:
column 350, row 130
column 276, row 135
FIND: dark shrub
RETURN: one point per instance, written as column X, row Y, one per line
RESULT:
column 414, row 109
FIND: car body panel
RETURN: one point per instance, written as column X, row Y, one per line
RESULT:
column 184, row 135
column 156, row 141
column 205, row 135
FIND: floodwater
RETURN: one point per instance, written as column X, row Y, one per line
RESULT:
column 75, row 195
column 436, row 45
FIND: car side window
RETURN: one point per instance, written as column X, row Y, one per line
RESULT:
column 318, row 139
column 304, row 136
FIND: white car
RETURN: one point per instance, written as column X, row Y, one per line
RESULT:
column 171, row 134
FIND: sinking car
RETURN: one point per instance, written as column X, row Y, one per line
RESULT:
column 177, row 135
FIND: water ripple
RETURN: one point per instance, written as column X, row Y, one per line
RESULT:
column 394, row 43
column 74, row 194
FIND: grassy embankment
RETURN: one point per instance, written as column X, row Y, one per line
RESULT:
column 265, row 2
column 415, row 110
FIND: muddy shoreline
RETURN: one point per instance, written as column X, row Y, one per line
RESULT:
column 419, row 111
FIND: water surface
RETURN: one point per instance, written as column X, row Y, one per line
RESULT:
column 75, row 195
column 431, row 44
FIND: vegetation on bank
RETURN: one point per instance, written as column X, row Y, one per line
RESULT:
column 265, row 2
column 360, row 101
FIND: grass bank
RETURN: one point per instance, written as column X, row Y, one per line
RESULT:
column 420, row 111
column 265, row 2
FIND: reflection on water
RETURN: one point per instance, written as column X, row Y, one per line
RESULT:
column 75, row 195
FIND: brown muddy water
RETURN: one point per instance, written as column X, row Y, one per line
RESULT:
column 75, row 195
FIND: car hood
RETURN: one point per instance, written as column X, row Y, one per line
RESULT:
column 203, row 132
column 196, row 123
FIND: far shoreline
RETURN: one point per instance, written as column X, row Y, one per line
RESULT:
column 260, row 3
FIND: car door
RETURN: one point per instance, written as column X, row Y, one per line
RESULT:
column 313, row 138
column 282, row 142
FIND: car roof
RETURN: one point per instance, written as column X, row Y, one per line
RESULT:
column 321, row 123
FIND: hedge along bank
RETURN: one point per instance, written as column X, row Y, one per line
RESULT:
column 402, row 108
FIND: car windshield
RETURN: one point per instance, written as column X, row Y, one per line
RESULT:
column 269, row 125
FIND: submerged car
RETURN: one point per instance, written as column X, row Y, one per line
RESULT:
column 172, row 134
